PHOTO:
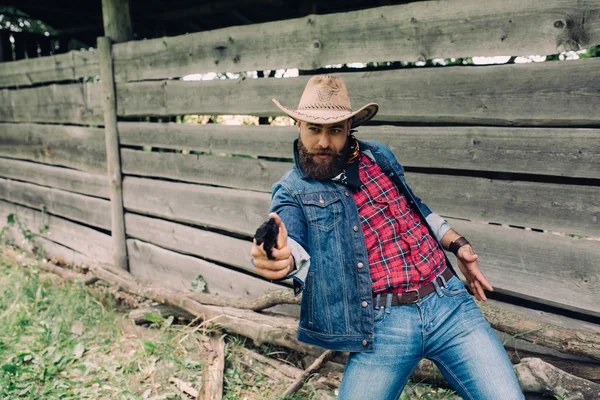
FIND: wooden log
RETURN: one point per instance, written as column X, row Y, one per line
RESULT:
column 60, row 178
column 573, row 209
column 409, row 32
column 113, row 158
column 539, row 377
column 89, row 210
column 185, row 239
column 75, row 240
column 500, row 95
column 76, row 103
column 117, row 20
column 562, row 339
column 75, row 147
column 569, row 152
column 62, row 67
column 212, row 373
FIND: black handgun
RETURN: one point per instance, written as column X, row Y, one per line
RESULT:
column 267, row 233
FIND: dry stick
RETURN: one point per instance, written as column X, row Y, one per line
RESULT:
column 299, row 382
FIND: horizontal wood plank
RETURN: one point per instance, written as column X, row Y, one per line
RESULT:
column 179, row 271
column 55, row 231
column 77, row 147
column 76, row 103
column 89, row 210
column 237, row 211
column 60, row 178
column 61, row 67
column 234, row 172
column 561, row 208
column 568, row 152
column 501, row 95
column 410, row 32
column 551, row 269
column 185, row 239
column 571, row 209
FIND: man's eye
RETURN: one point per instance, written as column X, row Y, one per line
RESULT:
column 313, row 129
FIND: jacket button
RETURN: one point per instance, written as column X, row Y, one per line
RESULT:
column 364, row 342
column 364, row 304
column 360, row 265
column 355, row 228
column 347, row 194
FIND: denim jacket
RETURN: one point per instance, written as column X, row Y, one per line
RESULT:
column 328, row 246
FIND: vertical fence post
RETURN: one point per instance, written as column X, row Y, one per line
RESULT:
column 113, row 157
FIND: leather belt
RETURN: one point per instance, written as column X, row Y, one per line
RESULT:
column 411, row 296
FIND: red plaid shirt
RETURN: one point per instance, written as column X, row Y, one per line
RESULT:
column 402, row 253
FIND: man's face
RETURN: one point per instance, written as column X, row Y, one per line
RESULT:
column 323, row 148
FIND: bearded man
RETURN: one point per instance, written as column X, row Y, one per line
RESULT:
column 368, row 256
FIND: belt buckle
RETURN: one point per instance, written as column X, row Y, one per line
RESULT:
column 418, row 296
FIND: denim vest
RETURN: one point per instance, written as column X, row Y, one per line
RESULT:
column 328, row 246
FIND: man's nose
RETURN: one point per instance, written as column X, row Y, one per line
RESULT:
column 324, row 141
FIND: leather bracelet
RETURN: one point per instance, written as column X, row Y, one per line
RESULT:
column 457, row 244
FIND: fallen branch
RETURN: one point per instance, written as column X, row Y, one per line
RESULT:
column 269, row 299
column 315, row 366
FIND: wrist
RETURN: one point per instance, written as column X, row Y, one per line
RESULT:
column 457, row 243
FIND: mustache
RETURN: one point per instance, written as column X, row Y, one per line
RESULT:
column 324, row 152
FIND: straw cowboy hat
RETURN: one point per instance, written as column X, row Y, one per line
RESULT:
column 325, row 101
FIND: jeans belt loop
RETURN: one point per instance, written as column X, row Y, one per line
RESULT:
column 388, row 303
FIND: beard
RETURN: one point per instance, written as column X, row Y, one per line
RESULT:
column 323, row 169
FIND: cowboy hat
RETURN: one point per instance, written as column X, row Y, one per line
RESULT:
column 325, row 101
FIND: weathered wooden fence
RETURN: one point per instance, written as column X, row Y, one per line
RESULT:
column 492, row 148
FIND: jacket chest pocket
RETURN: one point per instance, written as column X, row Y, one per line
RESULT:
column 323, row 210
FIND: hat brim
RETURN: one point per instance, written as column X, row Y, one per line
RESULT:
column 359, row 116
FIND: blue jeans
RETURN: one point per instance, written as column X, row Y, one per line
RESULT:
column 446, row 327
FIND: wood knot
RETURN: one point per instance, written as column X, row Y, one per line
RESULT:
column 560, row 24
column 317, row 44
column 236, row 59
column 413, row 20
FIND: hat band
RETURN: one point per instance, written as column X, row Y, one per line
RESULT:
column 324, row 106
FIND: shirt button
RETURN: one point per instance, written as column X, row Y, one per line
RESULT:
column 360, row 265
column 355, row 228
column 347, row 194
column 364, row 342
column 364, row 304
